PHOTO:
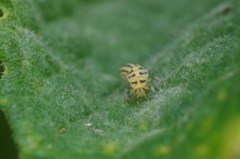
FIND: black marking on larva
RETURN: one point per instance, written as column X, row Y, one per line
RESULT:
column 133, row 75
column 129, row 66
column 141, row 68
column 142, row 81
column 131, row 71
column 135, row 82
column 142, row 73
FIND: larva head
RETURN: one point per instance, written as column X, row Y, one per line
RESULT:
column 140, row 92
column 140, row 86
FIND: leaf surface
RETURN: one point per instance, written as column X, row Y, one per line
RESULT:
column 63, row 98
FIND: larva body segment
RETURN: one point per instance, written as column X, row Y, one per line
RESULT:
column 137, row 76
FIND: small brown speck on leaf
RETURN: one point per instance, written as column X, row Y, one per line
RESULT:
column 226, row 9
column 62, row 130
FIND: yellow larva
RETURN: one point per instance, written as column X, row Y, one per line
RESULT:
column 137, row 76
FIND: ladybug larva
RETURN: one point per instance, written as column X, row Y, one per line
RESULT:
column 137, row 76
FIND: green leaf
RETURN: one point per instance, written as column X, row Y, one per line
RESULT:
column 63, row 97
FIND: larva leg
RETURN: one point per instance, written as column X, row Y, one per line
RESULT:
column 155, row 81
column 128, row 92
column 152, row 88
